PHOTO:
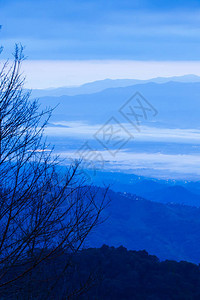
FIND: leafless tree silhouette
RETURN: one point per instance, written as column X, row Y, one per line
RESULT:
column 42, row 212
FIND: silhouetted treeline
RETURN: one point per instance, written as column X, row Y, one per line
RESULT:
column 109, row 273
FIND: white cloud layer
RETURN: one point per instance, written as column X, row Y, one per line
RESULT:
column 82, row 130
column 158, row 164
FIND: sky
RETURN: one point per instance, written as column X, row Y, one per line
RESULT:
column 101, row 31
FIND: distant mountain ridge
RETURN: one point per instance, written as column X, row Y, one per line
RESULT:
column 100, row 85
column 162, row 191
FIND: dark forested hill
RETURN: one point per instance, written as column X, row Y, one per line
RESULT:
column 136, row 275
column 108, row 273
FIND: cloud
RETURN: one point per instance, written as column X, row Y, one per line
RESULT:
column 167, row 30
column 151, row 164
column 133, row 158
column 83, row 130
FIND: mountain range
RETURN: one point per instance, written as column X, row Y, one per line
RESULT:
column 100, row 85
column 177, row 104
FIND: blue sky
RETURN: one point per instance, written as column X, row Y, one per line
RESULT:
column 102, row 29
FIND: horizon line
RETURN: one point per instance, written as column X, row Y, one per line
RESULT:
column 44, row 74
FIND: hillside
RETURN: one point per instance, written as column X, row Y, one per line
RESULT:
column 177, row 104
column 167, row 230
column 173, row 194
